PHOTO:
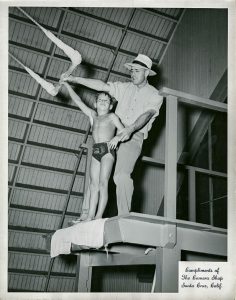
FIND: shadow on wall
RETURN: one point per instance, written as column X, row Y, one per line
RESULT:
column 158, row 81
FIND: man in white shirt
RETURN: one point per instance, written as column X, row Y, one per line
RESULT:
column 138, row 106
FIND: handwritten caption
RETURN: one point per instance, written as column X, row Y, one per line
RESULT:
column 201, row 278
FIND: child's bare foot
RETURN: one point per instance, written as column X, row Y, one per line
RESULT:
column 88, row 219
column 82, row 218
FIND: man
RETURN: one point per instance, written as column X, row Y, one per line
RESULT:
column 138, row 106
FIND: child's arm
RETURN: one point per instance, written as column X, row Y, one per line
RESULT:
column 116, row 139
column 117, row 122
column 87, row 110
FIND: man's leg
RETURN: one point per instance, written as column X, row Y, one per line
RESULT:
column 127, row 156
column 105, row 172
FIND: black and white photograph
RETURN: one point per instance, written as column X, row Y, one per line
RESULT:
column 118, row 169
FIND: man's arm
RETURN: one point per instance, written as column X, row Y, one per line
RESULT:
column 94, row 84
column 140, row 122
column 87, row 110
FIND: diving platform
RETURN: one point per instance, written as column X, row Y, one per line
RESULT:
column 140, row 239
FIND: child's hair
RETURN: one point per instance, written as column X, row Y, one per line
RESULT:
column 112, row 99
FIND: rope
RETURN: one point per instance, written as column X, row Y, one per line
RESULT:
column 48, row 86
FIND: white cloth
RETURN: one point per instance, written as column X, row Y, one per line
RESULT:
column 90, row 234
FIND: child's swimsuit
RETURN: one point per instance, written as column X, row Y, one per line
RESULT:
column 101, row 149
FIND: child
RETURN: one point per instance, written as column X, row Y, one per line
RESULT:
column 104, row 125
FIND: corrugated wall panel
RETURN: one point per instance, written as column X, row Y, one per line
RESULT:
column 57, row 67
column 22, row 83
column 28, row 261
column 28, row 35
column 13, row 151
column 45, row 200
column 40, row 263
column 91, row 29
column 139, row 44
column 61, row 284
column 48, row 179
column 35, row 62
column 113, row 77
column 92, row 54
column 18, row 281
column 55, row 137
column 43, row 15
column 16, row 129
column 150, row 23
column 121, row 59
column 18, row 106
column 61, row 116
column 117, row 15
column 52, row 158
column 31, row 219
column 26, row 240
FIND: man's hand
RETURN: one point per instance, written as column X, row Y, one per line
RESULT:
column 125, row 133
column 113, row 142
column 66, row 77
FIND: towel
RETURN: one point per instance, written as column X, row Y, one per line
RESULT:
column 90, row 234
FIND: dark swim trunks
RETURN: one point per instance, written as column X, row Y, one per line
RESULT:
column 101, row 149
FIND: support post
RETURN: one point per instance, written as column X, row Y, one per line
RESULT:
column 170, row 157
column 192, row 195
column 167, row 262
column 84, row 273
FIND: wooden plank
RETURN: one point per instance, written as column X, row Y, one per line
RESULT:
column 192, row 195
column 194, row 100
column 167, row 270
column 84, row 273
column 101, row 259
column 171, row 157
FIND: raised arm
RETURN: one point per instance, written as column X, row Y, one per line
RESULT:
column 87, row 110
column 94, row 84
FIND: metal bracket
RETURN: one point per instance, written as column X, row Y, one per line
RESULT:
column 169, row 235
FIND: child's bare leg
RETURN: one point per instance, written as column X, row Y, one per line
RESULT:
column 85, row 208
column 86, row 204
column 94, row 188
column 105, row 172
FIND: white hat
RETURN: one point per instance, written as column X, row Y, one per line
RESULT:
column 143, row 62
